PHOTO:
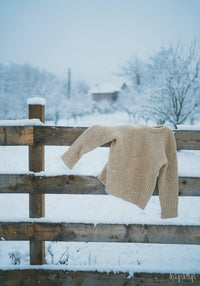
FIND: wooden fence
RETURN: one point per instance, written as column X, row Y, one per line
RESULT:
column 36, row 137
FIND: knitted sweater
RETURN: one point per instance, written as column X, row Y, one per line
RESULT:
column 139, row 156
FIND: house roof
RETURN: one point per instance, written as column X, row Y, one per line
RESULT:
column 105, row 88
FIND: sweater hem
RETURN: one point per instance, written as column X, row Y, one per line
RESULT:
column 132, row 200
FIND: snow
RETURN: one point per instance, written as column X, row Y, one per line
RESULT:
column 95, row 209
column 120, row 257
column 88, row 209
column 188, row 163
column 189, row 127
column 105, row 88
column 15, row 160
column 36, row 101
column 21, row 122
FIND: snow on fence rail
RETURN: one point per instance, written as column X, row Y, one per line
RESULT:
column 36, row 136
column 64, row 136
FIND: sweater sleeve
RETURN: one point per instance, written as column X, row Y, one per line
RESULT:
column 91, row 138
column 168, row 181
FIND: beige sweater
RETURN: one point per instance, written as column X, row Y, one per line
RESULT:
column 138, row 155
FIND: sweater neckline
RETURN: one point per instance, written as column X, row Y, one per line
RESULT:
column 157, row 128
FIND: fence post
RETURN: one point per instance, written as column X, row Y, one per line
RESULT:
column 36, row 201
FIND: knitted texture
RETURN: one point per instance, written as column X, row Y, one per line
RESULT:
column 139, row 156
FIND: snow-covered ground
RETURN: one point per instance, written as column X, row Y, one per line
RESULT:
column 98, row 209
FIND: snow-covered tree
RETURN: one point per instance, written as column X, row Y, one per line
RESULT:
column 173, row 87
column 19, row 82
column 131, row 101
column 126, row 102
column 104, row 106
column 78, row 104
column 167, row 88
column 134, row 71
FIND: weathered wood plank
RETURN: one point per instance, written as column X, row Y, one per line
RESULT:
column 74, row 184
column 16, row 183
column 139, row 233
column 70, row 184
column 64, row 184
column 65, row 136
column 189, row 186
column 47, row 277
column 36, row 200
column 16, row 135
column 21, row 231
column 36, row 164
column 56, row 135
column 187, row 139
column 37, row 252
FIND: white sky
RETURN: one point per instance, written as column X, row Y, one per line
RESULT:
column 92, row 37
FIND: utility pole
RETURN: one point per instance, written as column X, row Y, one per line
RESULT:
column 69, row 83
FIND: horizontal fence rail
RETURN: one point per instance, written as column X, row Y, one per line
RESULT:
column 16, row 135
column 47, row 277
column 65, row 136
column 75, row 184
column 136, row 233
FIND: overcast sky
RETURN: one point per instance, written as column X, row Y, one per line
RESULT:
column 92, row 37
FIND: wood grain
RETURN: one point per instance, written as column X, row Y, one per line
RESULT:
column 55, row 135
column 136, row 233
column 16, row 135
column 65, row 136
column 52, row 277
column 187, row 139
column 36, row 200
column 75, row 184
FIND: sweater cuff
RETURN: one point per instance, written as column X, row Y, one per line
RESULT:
column 169, row 212
column 167, row 215
column 69, row 161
